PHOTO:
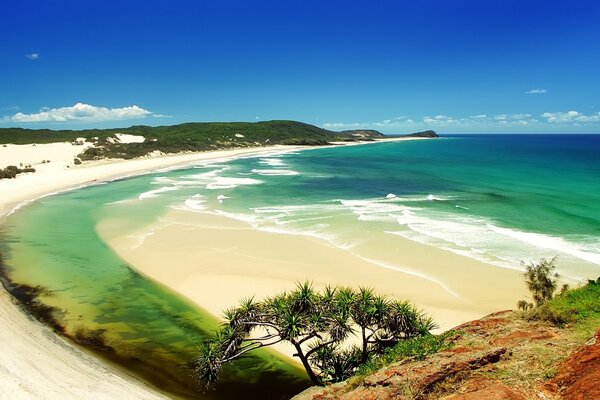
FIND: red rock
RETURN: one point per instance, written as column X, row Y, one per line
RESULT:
column 521, row 337
column 487, row 389
column 578, row 377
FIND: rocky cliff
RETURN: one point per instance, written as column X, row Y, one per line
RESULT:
column 501, row 356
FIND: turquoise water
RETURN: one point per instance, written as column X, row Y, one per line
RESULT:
column 498, row 198
column 502, row 199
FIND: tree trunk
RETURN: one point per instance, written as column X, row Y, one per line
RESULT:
column 364, row 345
column 311, row 374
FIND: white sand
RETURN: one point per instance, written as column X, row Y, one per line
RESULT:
column 34, row 362
column 59, row 154
column 127, row 138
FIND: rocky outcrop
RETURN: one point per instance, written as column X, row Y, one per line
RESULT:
column 486, row 389
column 499, row 357
column 425, row 134
column 578, row 377
column 412, row 380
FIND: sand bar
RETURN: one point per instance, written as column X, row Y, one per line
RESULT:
column 216, row 261
column 34, row 362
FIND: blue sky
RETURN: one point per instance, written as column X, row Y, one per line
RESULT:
column 397, row 66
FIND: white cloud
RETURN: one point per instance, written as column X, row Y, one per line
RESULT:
column 81, row 112
column 344, row 125
column 33, row 56
column 536, row 91
column 570, row 117
column 474, row 122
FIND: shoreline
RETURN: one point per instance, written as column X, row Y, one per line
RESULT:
column 61, row 368
column 239, row 261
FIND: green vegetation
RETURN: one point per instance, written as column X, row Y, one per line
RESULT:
column 185, row 137
column 319, row 326
column 416, row 349
column 578, row 307
column 541, row 280
column 12, row 171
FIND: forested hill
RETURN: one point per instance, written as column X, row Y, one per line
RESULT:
column 196, row 136
column 274, row 131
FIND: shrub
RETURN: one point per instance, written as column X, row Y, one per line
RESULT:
column 541, row 281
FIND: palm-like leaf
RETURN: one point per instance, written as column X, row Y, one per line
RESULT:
column 320, row 321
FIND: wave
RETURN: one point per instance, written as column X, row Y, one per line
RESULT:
column 432, row 197
column 162, row 180
column 204, row 176
column 154, row 193
column 273, row 172
column 479, row 238
column 272, row 162
column 196, row 203
column 548, row 242
column 377, row 209
column 223, row 182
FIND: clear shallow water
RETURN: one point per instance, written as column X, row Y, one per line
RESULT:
column 501, row 199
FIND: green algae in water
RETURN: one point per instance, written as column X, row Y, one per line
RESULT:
column 53, row 244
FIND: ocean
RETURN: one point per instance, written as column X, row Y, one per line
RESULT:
column 502, row 199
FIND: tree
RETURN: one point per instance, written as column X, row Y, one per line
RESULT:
column 541, row 280
column 320, row 326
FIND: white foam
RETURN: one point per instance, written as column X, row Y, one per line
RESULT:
column 206, row 176
column 161, row 180
column 274, row 172
column 221, row 198
column 196, row 203
column 297, row 209
column 376, row 209
column 118, row 202
column 272, row 162
column 223, row 182
column 548, row 242
column 250, row 219
column 480, row 239
column 154, row 193
column 432, row 197
column 391, row 196
column 288, row 172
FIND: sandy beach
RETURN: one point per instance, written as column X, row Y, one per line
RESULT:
column 220, row 261
column 35, row 363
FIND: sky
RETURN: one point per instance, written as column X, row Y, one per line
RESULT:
column 396, row 66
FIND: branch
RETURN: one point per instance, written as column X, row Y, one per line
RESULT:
column 266, row 337
column 247, row 348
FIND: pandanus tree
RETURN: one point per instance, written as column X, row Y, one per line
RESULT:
column 323, row 328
